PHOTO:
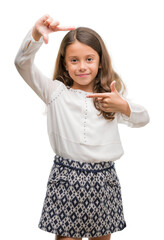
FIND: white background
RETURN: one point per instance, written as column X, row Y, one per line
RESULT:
column 133, row 33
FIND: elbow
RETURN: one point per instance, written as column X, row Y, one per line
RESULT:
column 145, row 121
column 16, row 62
column 141, row 122
column 20, row 62
column 147, row 118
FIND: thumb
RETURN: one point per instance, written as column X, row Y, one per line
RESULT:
column 45, row 38
column 112, row 86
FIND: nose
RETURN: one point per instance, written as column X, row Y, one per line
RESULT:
column 82, row 66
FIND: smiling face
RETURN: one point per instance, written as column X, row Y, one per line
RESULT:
column 82, row 64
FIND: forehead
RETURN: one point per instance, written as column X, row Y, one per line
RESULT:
column 79, row 49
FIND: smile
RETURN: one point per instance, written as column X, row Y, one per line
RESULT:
column 83, row 75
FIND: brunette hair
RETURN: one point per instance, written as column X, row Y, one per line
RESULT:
column 105, row 74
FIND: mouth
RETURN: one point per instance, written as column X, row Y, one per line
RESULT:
column 83, row 75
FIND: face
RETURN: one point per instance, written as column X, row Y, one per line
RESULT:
column 82, row 64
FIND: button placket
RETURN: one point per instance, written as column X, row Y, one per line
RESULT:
column 84, row 137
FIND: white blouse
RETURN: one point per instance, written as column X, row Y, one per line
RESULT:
column 75, row 130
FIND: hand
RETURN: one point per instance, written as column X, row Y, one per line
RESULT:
column 111, row 102
column 45, row 26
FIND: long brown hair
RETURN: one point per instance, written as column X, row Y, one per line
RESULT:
column 105, row 74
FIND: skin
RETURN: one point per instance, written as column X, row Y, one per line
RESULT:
column 46, row 25
column 82, row 64
column 86, row 61
column 106, row 237
column 83, row 68
column 112, row 102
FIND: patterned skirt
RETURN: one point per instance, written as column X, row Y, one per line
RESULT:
column 82, row 200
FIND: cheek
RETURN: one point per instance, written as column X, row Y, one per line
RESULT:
column 95, row 68
column 70, row 70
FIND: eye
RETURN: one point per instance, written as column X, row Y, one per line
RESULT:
column 89, row 59
column 74, row 60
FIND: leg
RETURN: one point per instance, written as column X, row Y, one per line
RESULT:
column 106, row 237
column 58, row 237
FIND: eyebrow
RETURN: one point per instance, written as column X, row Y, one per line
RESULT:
column 89, row 55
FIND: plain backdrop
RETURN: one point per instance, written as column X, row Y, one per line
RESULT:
column 133, row 33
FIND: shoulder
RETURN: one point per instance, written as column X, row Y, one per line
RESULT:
column 56, row 87
column 55, row 84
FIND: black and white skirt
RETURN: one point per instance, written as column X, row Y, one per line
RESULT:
column 82, row 200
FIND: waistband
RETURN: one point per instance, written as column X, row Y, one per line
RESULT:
column 89, row 167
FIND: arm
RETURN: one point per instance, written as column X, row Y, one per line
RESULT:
column 133, row 115
column 24, row 63
column 139, row 116
column 24, row 60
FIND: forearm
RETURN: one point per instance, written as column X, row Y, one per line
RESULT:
column 24, row 63
column 125, row 109
column 35, row 34
column 138, row 117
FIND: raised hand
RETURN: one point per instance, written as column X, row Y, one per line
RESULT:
column 111, row 102
column 46, row 25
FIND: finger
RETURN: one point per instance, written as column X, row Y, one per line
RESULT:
column 48, row 21
column 54, row 24
column 45, row 38
column 98, row 95
column 107, row 109
column 65, row 28
column 45, row 17
column 104, row 109
column 45, row 23
column 104, row 105
column 104, row 100
column 112, row 86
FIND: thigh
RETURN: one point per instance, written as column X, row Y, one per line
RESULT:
column 106, row 237
column 58, row 237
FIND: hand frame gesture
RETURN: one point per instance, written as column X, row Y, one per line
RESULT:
column 46, row 25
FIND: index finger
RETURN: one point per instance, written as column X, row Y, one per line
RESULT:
column 65, row 28
column 98, row 95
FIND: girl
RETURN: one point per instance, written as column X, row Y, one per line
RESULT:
column 84, row 106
